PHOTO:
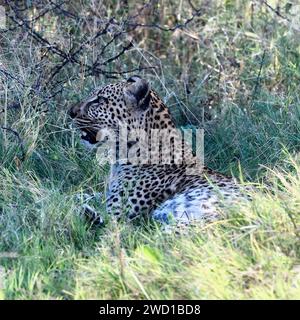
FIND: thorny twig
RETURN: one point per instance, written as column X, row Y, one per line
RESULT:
column 50, row 79
column 276, row 11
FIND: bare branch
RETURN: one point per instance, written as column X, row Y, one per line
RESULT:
column 276, row 11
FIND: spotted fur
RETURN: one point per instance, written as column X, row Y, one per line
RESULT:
column 180, row 189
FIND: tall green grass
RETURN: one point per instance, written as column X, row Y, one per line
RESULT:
column 47, row 250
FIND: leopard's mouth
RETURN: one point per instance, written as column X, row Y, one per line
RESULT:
column 89, row 135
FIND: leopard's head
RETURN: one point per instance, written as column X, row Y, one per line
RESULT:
column 125, row 103
column 131, row 105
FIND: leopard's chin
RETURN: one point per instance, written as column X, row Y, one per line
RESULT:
column 88, row 145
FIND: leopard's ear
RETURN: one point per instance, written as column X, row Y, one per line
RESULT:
column 137, row 93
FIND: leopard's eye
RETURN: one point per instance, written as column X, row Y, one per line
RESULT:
column 103, row 98
column 100, row 99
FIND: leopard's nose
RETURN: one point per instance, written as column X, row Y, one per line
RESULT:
column 72, row 114
column 73, row 111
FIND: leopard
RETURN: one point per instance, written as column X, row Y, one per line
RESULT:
column 160, row 178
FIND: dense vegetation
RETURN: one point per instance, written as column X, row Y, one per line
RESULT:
column 231, row 67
